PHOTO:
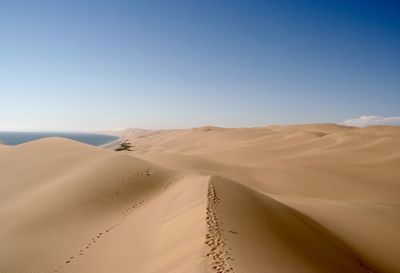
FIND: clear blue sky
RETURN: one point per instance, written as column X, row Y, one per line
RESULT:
column 88, row 65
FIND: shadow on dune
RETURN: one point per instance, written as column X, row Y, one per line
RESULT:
column 258, row 228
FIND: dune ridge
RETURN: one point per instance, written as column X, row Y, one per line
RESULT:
column 343, row 178
column 301, row 198
column 220, row 255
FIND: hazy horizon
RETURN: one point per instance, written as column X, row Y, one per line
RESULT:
column 109, row 131
column 104, row 65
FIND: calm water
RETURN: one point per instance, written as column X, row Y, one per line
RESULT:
column 15, row 138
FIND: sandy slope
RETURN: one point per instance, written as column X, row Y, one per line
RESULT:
column 305, row 198
column 344, row 179
column 57, row 197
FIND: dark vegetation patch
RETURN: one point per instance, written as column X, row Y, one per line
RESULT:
column 124, row 146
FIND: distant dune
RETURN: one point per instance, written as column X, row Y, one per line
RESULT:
column 301, row 198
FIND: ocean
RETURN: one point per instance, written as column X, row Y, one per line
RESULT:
column 15, row 138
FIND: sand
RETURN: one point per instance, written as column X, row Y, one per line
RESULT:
column 301, row 198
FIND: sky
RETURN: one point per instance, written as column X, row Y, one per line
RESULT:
column 98, row 65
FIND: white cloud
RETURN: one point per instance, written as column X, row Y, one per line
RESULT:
column 364, row 121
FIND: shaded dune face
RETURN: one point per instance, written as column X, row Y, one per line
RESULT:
column 258, row 228
column 304, row 198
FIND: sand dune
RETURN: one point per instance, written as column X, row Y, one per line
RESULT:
column 59, row 197
column 345, row 179
column 303, row 198
column 259, row 228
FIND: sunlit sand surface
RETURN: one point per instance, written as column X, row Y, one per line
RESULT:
column 303, row 198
